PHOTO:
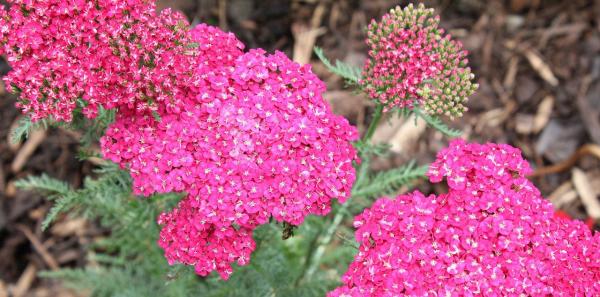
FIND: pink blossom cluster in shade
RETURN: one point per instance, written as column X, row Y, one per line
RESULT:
column 492, row 234
column 256, row 140
column 91, row 54
column 411, row 62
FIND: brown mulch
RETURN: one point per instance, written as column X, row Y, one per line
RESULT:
column 537, row 63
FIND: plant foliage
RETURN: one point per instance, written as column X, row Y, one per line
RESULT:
column 387, row 182
column 350, row 73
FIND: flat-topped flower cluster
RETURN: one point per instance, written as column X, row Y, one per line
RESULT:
column 246, row 136
column 411, row 62
column 256, row 140
column 86, row 54
column 492, row 234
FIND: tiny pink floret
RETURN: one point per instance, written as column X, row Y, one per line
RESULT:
column 90, row 54
column 492, row 234
column 256, row 140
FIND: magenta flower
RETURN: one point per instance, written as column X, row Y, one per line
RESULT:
column 492, row 234
column 412, row 62
column 107, row 53
column 256, row 140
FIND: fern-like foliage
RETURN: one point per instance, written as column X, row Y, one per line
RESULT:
column 350, row 73
column 276, row 266
column 432, row 120
column 45, row 185
column 369, row 150
column 129, row 262
column 125, row 281
column 25, row 126
column 436, row 122
column 92, row 129
column 387, row 182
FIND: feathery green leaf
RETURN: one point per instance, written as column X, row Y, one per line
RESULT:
column 436, row 123
column 351, row 73
column 386, row 182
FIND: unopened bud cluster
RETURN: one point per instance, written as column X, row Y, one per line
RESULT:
column 412, row 62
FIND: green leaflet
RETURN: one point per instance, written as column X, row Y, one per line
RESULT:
column 387, row 182
column 350, row 73
column 436, row 122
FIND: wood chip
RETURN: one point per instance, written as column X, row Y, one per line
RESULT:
column 511, row 73
column 36, row 137
column 2, row 181
column 387, row 129
column 586, row 193
column 528, row 123
column 587, row 149
column 69, row 227
column 304, row 42
column 39, row 247
column 306, row 36
column 574, row 29
column 524, row 123
column 587, row 104
column 407, row 136
column 10, row 190
column 542, row 69
column 223, row 14
column 563, row 195
column 3, row 289
column 495, row 117
column 68, row 256
column 25, row 281
column 543, row 114
column 13, row 146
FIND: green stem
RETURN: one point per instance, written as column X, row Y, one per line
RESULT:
column 362, row 170
column 376, row 117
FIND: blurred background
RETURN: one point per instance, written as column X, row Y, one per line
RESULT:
column 537, row 63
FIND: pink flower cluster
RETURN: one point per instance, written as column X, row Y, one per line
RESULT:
column 492, row 234
column 256, row 140
column 109, row 53
column 411, row 62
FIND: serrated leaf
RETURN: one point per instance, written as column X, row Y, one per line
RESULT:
column 387, row 182
column 351, row 73
column 436, row 122
column 43, row 184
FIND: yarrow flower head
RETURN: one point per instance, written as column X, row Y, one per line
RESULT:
column 89, row 54
column 257, row 140
column 492, row 234
column 411, row 62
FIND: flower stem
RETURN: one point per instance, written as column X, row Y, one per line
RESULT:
column 376, row 117
column 362, row 171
